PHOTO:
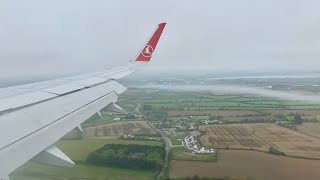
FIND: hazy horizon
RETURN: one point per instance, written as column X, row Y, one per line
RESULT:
column 58, row 38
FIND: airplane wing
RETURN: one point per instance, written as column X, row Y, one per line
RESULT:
column 34, row 116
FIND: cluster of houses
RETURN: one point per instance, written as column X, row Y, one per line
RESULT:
column 194, row 146
column 128, row 118
column 171, row 124
column 128, row 136
column 206, row 122
column 142, row 137
column 283, row 122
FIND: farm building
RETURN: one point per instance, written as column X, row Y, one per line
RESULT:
column 116, row 119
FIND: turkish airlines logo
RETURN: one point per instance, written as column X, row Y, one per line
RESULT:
column 147, row 51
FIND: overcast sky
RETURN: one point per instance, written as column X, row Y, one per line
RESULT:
column 48, row 37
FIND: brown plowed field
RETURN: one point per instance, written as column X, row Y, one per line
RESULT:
column 118, row 129
column 261, row 137
column 312, row 129
column 244, row 165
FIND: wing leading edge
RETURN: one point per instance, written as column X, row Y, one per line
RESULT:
column 34, row 116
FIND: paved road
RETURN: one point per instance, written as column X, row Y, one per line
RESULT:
column 166, row 159
column 138, row 108
column 166, row 140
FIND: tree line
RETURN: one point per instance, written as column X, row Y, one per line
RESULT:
column 133, row 156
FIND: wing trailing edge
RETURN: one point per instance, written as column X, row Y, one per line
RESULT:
column 113, row 107
column 53, row 156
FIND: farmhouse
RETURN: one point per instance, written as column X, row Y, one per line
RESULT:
column 128, row 136
column 206, row 122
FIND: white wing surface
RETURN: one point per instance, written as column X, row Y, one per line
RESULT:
column 34, row 116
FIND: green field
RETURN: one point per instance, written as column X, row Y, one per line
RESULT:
column 80, row 171
column 97, row 120
column 176, row 141
column 200, row 105
column 74, row 134
column 204, row 100
column 78, row 150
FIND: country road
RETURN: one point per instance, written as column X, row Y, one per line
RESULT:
column 166, row 159
column 137, row 109
column 166, row 140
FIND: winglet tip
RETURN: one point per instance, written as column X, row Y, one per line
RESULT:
column 146, row 53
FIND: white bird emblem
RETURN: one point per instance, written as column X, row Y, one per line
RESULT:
column 147, row 52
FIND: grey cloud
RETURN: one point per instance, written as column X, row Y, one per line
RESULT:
column 78, row 36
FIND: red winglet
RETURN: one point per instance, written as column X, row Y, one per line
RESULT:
column 147, row 51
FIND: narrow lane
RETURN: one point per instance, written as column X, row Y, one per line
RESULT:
column 166, row 159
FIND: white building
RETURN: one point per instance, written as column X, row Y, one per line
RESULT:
column 116, row 119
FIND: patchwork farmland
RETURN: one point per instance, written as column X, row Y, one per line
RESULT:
column 261, row 137
column 248, row 165
column 118, row 129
